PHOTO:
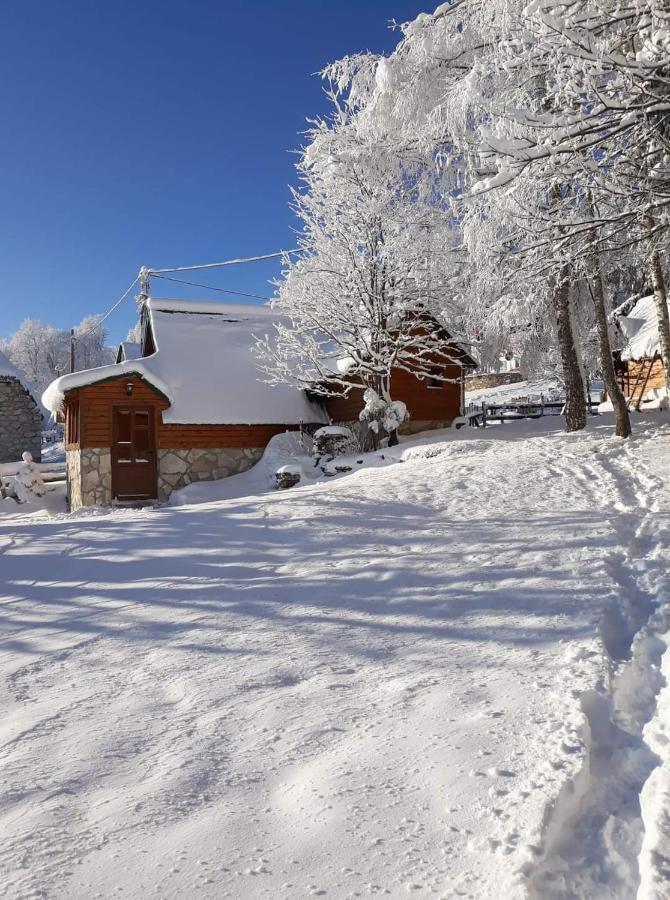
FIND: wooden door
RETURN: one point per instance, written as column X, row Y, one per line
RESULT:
column 133, row 453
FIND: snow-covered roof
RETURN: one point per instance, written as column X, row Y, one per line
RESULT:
column 640, row 327
column 207, row 366
column 129, row 350
column 8, row 370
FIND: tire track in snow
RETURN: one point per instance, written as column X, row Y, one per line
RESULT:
column 594, row 831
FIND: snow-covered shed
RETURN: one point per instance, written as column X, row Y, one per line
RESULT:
column 640, row 366
column 190, row 408
column 20, row 416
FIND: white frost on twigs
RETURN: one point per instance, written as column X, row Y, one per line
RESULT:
column 390, row 415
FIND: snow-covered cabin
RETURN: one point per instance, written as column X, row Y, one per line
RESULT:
column 640, row 368
column 190, row 408
column 191, row 404
column 20, row 416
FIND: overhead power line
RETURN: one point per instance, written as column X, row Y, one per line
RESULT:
column 209, row 287
column 146, row 273
column 109, row 311
column 227, row 262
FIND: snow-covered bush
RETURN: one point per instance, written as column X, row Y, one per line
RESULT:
column 28, row 481
column 26, row 484
column 380, row 414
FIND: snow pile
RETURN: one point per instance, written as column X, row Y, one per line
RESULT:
column 292, row 448
column 332, row 431
column 657, row 398
column 655, row 797
column 206, row 365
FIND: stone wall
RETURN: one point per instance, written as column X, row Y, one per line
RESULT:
column 89, row 471
column 20, row 422
column 490, row 380
column 89, row 477
column 179, row 468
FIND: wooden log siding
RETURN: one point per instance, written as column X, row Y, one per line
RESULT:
column 425, row 404
column 96, row 402
column 656, row 376
column 185, row 437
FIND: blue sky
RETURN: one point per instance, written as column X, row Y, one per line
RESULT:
column 156, row 132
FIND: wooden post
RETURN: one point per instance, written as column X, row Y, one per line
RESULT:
column 72, row 350
column 483, row 415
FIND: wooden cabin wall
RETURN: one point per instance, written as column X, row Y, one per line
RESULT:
column 425, row 404
column 96, row 402
column 656, row 376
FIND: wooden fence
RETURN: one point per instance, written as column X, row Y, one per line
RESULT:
column 513, row 411
column 49, row 471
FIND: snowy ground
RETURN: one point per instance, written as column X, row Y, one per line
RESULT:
column 415, row 679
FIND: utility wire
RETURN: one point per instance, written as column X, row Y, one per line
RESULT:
column 109, row 311
column 209, row 287
column 159, row 273
column 228, row 262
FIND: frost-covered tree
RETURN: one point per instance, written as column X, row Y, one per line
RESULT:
column 91, row 349
column 363, row 295
column 40, row 351
column 43, row 352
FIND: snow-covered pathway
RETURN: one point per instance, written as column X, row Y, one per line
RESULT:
column 368, row 686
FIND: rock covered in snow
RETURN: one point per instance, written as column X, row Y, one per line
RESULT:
column 288, row 476
column 332, row 441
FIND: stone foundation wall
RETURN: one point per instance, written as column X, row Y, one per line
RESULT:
column 89, row 477
column 179, row 468
column 20, row 422
column 490, row 380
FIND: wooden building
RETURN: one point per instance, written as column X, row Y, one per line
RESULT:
column 190, row 405
column 638, row 365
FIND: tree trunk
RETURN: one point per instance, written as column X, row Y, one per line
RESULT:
column 661, row 299
column 614, row 392
column 575, row 401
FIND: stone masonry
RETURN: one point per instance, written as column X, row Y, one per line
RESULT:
column 490, row 380
column 20, row 422
column 89, row 471
column 179, row 468
column 89, row 476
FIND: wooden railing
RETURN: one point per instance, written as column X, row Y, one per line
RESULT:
column 49, row 471
column 522, row 409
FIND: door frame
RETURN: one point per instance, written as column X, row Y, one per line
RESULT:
column 150, row 408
